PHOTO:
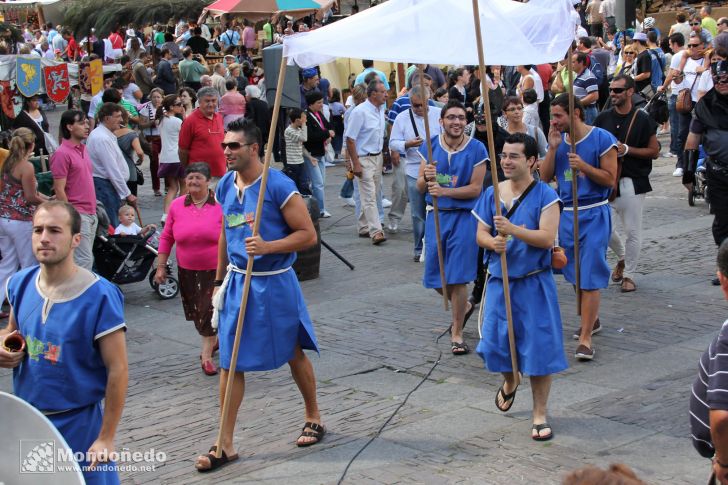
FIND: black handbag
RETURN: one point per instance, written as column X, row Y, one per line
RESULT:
column 140, row 176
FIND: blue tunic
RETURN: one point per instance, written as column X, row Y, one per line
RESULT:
column 276, row 319
column 534, row 301
column 595, row 222
column 64, row 370
column 457, row 228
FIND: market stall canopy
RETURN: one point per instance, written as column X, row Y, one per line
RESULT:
column 441, row 32
column 263, row 9
column 17, row 4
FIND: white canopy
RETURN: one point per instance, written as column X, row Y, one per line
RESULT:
column 442, row 32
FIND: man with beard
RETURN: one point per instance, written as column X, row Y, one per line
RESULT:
column 455, row 176
column 595, row 163
column 710, row 127
column 636, row 147
column 276, row 328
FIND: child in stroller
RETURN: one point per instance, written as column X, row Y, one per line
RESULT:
column 124, row 259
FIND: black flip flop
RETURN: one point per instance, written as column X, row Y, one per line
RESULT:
column 538, row 428
column 506, row 397
column 216, row 462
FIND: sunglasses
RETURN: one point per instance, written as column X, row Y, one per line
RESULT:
column 629, row 53
column 693, row 46
column 234, row 145
column 617, row 90
column 694, row 23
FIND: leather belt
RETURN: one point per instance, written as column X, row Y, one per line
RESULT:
column 371, row 154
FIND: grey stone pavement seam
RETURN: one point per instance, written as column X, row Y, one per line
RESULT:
column 376, row 327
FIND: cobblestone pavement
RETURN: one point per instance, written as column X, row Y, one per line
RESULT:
column 377, row 328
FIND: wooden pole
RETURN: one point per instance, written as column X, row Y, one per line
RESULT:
column 249, row 267
column 496, row 189
column 574, row 185
column 435, row 212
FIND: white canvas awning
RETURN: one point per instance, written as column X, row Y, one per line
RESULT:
column 26, row 4
column 442, row 32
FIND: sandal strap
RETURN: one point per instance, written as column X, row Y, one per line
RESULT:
column 310, row 434
column 507, row 397
column 541, row 427
column 317, row 428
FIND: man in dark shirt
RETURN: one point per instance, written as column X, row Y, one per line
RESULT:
column 257, row 110
column 197, row 43
column 710, row 127
column 636, row 148
column 165, row 77
column 709, row 399
column 643, row 64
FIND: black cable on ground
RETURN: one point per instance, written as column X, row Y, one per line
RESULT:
column 389, row 419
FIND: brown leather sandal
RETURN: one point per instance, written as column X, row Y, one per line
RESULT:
column 628, row 285
column 618, row 272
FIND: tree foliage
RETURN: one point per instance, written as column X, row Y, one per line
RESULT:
column 106, row 15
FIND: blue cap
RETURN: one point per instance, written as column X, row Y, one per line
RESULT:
column 309, row 73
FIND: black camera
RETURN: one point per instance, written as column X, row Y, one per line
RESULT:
column 479, row 118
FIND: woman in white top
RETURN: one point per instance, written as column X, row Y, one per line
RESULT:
column 529, row 80
column 170, row 115
column 150, row 130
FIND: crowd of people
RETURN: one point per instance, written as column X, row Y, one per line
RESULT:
column 204, row 128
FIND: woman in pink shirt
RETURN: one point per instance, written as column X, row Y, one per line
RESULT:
column 232, row 103
column 194, row 222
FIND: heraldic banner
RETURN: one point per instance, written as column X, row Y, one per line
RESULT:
column 57, row 84
column 28, row 75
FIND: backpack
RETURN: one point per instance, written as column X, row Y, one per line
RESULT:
column 596, row 69
column 657, row 69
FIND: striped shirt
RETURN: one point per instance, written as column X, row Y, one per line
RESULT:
column 584, row 84
column 710, row 391
column 294, row 144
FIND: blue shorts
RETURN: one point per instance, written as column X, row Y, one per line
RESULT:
column 595, row 227
column 460, row 250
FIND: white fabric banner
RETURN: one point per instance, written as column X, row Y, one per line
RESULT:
column 441, row 32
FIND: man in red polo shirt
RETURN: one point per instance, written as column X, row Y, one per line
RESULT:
column 202, row 134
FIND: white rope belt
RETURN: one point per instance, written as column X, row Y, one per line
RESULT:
column 590, row 206
column 218, row 301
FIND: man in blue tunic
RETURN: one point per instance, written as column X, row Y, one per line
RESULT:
column 455, row 177
column 595, row 161
column 276, row 323
column 526, row 233
column 73, row 324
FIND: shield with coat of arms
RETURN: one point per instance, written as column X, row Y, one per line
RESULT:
column 56, row 82
column 28, row 75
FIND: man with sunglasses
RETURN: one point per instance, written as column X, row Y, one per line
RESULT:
column 455, row 176
column 710, row 127
column 636, row 147
column 698, row 82
column 276, row 326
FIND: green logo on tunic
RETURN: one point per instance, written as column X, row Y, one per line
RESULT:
column 568, row 175
column 443, row 179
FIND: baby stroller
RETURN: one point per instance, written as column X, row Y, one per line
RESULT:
column 128, row 259
column 700, row 188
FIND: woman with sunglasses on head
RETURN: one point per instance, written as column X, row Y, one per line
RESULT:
column 709, row 126
column 169, row 116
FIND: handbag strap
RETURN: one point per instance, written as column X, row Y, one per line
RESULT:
column 414, row 126
column 519, row 199
column 629, row 128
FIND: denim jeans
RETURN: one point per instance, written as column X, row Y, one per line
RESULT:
column 684, row 130
column 317, row 175
column 674, row 124
column 106, row 194
column 417, row 208
column 590, row 114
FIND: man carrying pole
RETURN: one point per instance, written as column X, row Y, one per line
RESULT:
column 276, row 323
column 595, row 161
column 455, row 178
column 526, row 235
